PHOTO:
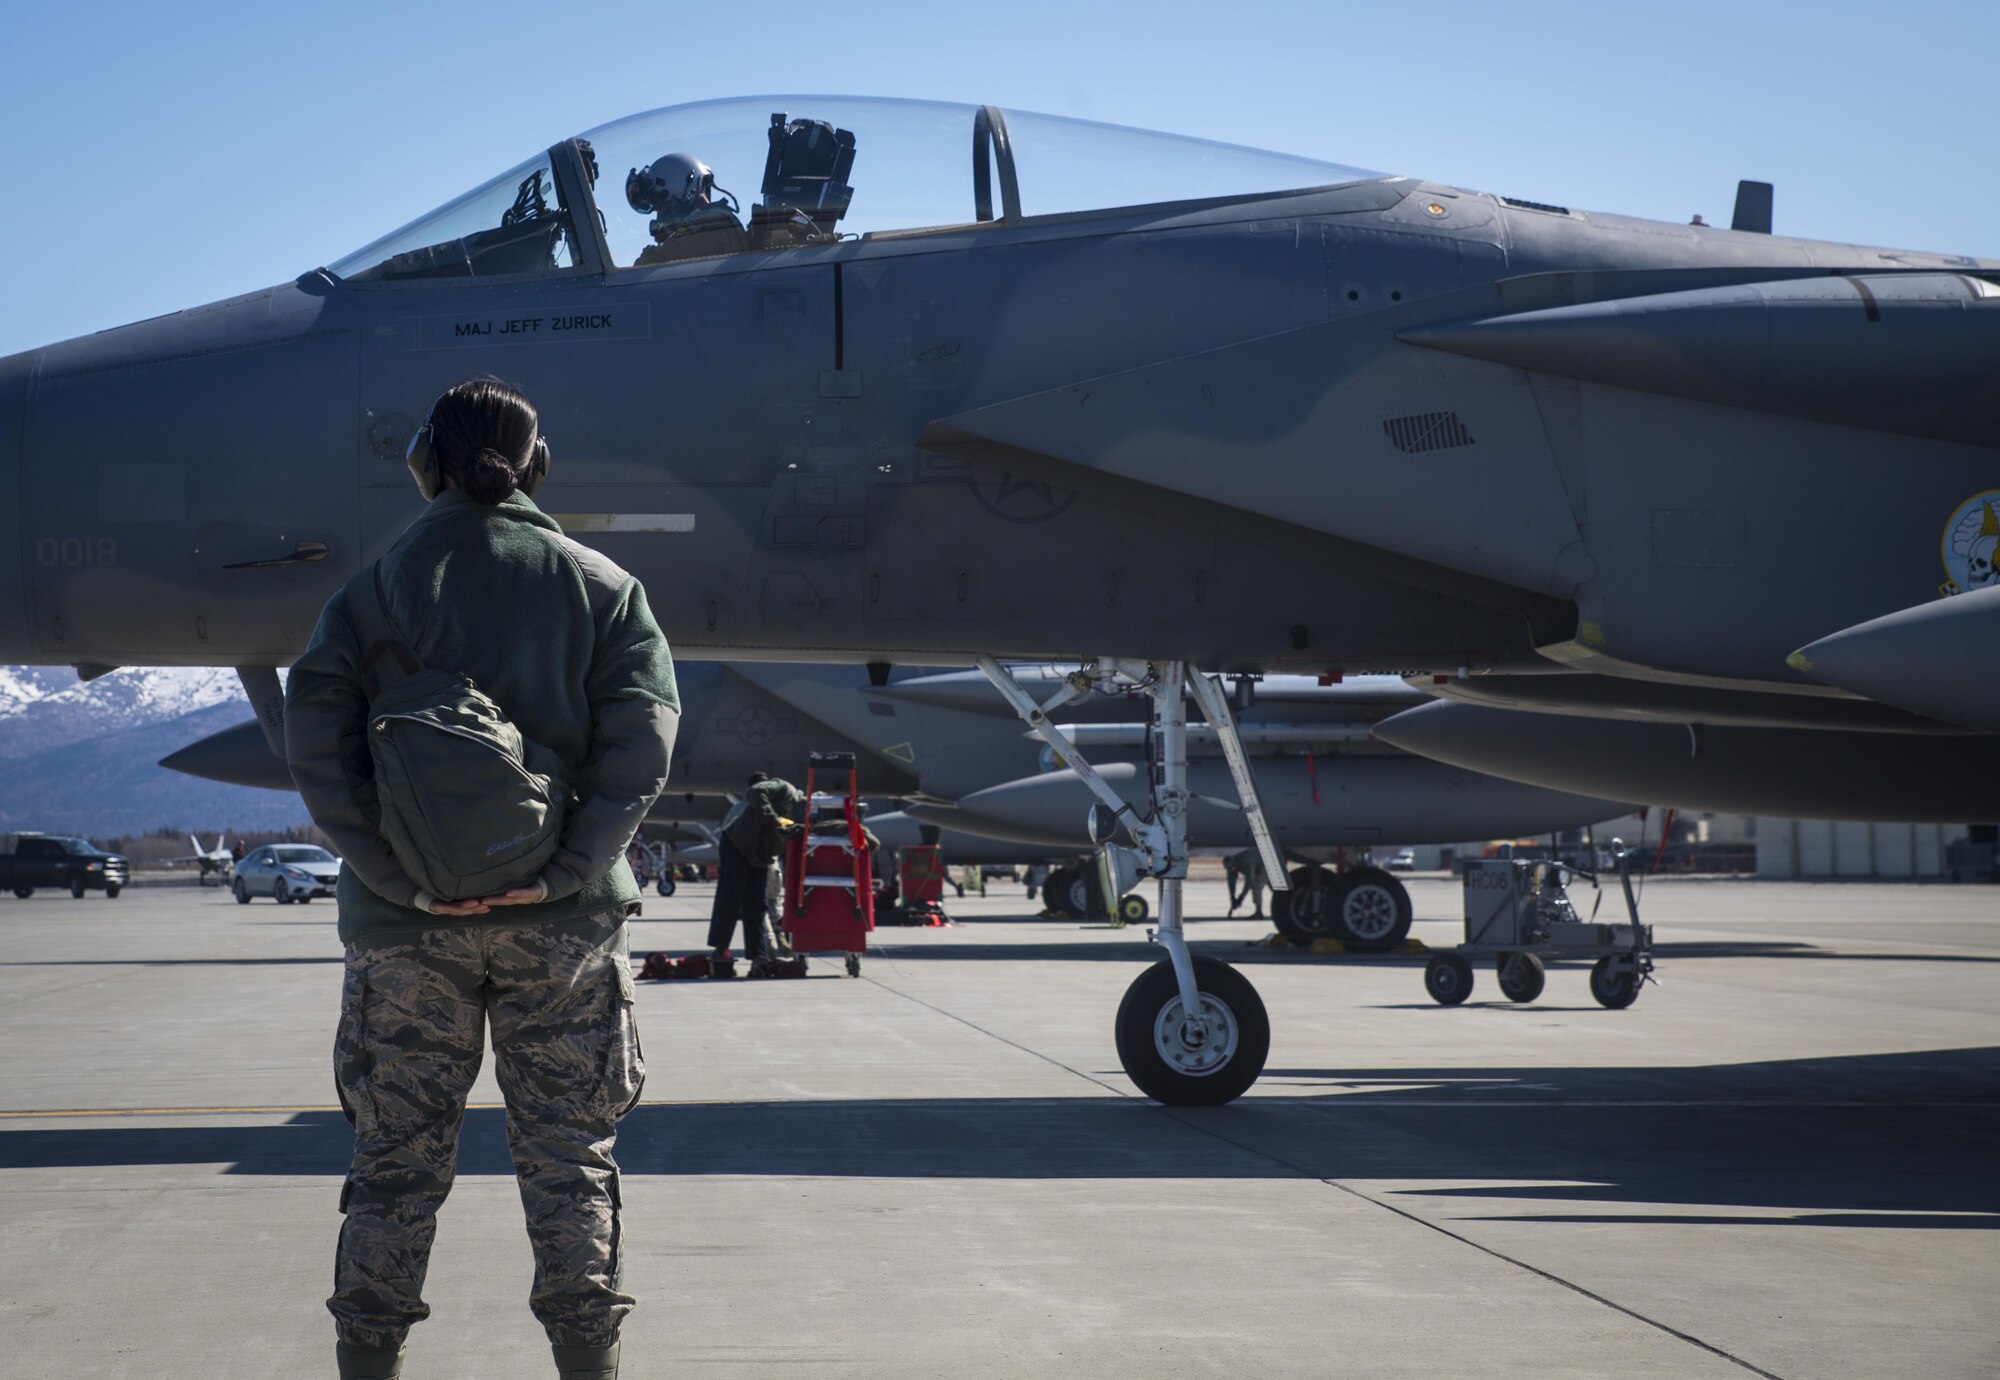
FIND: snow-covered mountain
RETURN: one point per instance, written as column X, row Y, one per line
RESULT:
column 83, row 756
column 43, row 707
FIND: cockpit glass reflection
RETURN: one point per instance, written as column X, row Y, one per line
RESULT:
column 764, row 173
column 514, row 224
column 720, row 177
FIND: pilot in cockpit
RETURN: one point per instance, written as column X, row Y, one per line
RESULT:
column 692, row 217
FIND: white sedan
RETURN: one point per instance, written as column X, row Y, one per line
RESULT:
column 286, row 872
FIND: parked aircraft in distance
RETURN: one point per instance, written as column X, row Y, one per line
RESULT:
column 217, row 860
column 955, row 755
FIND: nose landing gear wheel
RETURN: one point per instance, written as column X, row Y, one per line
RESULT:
column 1614, row 982
column 1184, row 1063
column 1522, row 977
column 665, row 886
column 1448, row 978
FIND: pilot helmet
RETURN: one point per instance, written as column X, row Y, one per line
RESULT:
column 673, row 187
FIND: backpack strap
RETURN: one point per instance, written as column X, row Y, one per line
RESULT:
column 377, row 634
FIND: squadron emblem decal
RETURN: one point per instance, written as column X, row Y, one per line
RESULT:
column 1971, row 543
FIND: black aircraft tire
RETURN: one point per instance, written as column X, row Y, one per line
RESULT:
column 1613, row 990
column 1132, row 908
column 1522, row 977
column 1448, row 978
column 242, row 893
column 1305, row 912
column 24, row 892
column 1056, row 892
column 111, row 892
column 1182, row 1083
column 1081, row 895
column 1370, row 910
column 666, row 886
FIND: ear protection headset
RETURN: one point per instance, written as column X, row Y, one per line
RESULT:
column 423, row 462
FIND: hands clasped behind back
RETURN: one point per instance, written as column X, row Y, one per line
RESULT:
column 531, row 894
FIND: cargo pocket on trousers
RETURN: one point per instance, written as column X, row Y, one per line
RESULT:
column 351, row 1060
column 624, row 1059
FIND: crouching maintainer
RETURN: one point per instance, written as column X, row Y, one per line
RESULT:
column 752, row 835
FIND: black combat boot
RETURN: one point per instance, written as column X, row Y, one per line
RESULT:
column 368, row 1363
column 587, row 1362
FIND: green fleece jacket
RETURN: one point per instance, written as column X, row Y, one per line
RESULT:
column 752, row 822
column 559, row 636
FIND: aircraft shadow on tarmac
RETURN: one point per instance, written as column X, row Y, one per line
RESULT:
column 1869, row 1140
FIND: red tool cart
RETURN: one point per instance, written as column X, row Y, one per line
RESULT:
column 921, row 885
column 830, row 877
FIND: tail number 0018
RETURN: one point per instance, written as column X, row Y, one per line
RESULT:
column 76, row 552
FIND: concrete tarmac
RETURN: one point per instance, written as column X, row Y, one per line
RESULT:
column 1781, row 1162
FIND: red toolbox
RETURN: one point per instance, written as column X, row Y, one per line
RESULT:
column 829, row 870
column 923, row 874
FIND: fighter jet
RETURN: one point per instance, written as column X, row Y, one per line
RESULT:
column 947, row 382
column 217, row 860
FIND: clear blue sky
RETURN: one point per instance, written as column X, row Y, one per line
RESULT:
column 167, row 155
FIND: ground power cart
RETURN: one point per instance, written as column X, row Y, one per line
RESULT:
column 1519, row 917
column 829, row 870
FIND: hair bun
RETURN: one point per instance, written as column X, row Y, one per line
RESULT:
column 489, row 476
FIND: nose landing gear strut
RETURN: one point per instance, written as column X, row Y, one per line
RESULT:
column 1190, row 1031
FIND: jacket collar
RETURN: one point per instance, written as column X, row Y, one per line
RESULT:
column 516, row 507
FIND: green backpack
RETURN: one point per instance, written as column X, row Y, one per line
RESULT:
column 469, row 806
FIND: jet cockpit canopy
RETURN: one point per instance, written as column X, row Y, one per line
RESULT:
column 780, row 172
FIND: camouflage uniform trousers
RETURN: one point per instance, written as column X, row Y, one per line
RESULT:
column 566, row 1052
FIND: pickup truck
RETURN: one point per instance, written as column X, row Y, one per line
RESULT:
column 51, row 860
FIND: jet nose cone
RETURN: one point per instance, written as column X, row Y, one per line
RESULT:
column 1431, row 730
column 238, row 756
column 1940, row 658
column 1050, row 809
column 14, row 373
